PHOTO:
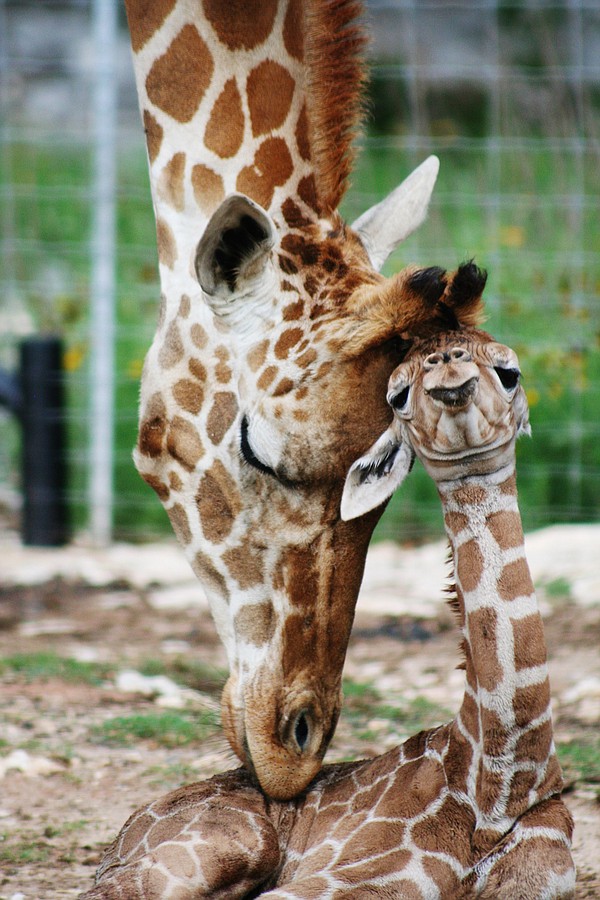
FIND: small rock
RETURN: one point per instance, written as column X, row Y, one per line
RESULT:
column 21, row 761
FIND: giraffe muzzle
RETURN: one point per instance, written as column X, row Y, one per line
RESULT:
column 455, row 397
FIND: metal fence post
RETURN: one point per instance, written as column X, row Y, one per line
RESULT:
column 102, row 336
column 42, row 414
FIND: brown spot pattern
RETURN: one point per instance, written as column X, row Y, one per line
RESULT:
column 239, row 24
column 269, row 89
column 196, row 369
column 293, row 311
column 221, row 416
column 469, row 565
column 225, row 129
column 293, row 30
column 144, row 18
column 206, row 572
column 451, row 826
column 455, row 522
column 267, row 377
column 529, row 643
column 505, row 528
column 287, row 340
column 245, row 564
column 178, row 80
column 180, row 523
column 167, row 248
column 170, row 184
column 302, row 135
column 515, row 580
column 444, row 876
column 488, row 789
column 189, row 395
column 175, row 481
column 522, row 784
column 209, row 190
column 535, row 744
column 494, row 734
column 272, row 167
column 482, row 638
column 283, row 387
column 218, row 502
column 161, row 489
column 185, row 306
column 184, row 443
column 307, row 191
column 222, row 370
column 154, row 135
column 199, row 336
column 255, row 623
column 418, row 783
column 171, row 350
column 530, row 702
column 153, row 427
column 257, row 355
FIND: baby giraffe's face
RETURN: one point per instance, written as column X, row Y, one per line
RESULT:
column 458, row 405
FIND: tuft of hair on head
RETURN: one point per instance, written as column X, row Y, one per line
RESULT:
column 463, row 294
column 335, row 43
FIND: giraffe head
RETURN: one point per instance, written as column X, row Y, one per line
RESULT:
column 255, row 400
column 276, row 338
column 457, row 400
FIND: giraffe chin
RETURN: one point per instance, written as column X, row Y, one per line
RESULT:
column 281, row 741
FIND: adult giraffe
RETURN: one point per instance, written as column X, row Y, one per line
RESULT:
column 259, row 388
column 467, row 809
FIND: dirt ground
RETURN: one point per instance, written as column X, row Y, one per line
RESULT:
column 68, row 782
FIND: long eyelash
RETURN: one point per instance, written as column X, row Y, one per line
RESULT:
column 248, row 453
column 378, row 467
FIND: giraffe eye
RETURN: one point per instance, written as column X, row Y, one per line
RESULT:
column 249, row 455
column 509, row 378
column 398, row 401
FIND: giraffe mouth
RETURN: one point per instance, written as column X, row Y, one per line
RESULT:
column 455, row 397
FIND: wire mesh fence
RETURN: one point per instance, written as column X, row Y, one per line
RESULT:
column 507, row 94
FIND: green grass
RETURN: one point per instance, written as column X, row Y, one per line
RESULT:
column 364, row 704
column 580, row 758
column 24, row 851
column 543, row 256
column 44, row 665
column 165, row 729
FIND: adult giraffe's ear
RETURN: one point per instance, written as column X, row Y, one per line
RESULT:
column 374, row 477
column 233, row 255
column 382, row 227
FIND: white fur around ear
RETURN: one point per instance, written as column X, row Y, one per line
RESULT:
column 233, row 260
column 382, row 227
column 374, row 477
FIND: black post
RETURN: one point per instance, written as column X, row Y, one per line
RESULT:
column 43, row 442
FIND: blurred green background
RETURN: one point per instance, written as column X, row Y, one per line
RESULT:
column 506, row 94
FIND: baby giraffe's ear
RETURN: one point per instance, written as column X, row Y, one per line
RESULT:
column 374, row 477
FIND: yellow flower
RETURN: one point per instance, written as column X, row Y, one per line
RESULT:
column 533, row 396
column 134, row 369
column 73, row 357
column 512, row 236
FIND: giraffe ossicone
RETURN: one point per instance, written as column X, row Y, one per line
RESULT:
column 267, row 358
column 467, row 809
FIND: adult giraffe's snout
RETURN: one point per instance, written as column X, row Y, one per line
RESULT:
column 281, row 732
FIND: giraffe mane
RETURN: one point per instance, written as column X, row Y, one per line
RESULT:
column 336, row 78
column 416, row 303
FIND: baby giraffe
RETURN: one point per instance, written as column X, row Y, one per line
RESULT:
column 467, row 809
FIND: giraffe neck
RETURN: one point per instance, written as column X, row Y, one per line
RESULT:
column 505, row 715
column 222, row 91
